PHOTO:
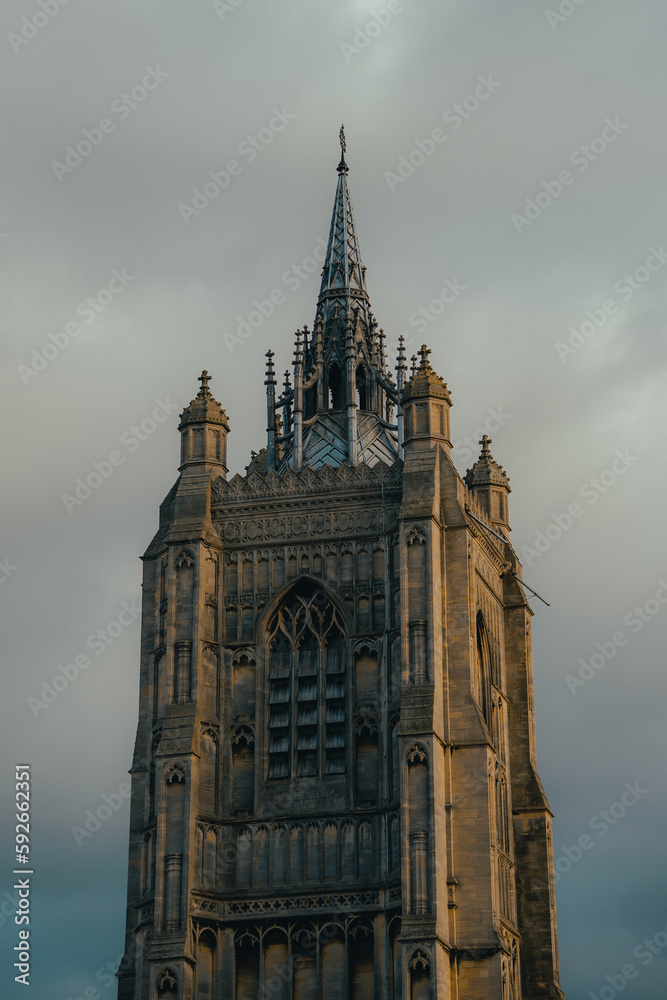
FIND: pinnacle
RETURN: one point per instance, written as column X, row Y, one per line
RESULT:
column 424, row 380
column 204, row 392
column 486, row 470
column 204, row 407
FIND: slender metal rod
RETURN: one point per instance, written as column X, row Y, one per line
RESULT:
column 523, row 583
column 495, row 534
column 500, row 538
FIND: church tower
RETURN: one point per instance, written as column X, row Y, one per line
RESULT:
column 334, row 786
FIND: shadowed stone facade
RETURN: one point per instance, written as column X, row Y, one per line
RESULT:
column 334, row 788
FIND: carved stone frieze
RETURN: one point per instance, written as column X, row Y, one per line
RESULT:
column 308, row 481
column 307, row 524
column 281, row 904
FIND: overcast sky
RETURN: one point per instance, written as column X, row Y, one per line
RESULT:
column 541, row 199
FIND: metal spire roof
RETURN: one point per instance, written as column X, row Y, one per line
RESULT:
column 343, row 275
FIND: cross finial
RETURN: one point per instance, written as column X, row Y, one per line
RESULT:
column 298, row 351
column 413, row 362
column 270, row 373
column 424, row 352
column 204, row 378
column 342, row 166
column 485, row 442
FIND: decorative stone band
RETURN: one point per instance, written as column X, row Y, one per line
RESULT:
column 287, row 904
column 325, row 524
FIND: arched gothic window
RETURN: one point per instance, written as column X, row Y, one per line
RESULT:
column 306, row 684
column 482, row 671
column 335, row 381
column 362, row 388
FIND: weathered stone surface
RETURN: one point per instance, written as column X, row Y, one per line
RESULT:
column 334, row 787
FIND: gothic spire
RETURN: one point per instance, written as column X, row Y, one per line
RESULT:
column 340, row 404
column 343, row 275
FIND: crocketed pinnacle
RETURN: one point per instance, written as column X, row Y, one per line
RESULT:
column 424, row 380
column 203, row 408
column 486, row 471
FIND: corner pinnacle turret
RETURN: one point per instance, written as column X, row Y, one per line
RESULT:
column 204, row 428
column 489, row 482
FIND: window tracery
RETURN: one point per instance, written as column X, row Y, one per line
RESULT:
column 307, row 669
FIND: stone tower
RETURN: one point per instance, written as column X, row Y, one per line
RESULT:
column 334, row 788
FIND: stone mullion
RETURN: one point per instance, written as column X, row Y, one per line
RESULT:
column 293, row 710
column 383, row 713
column 260, row 991
column 350, row 750
column 381, row 956
column 321, row 709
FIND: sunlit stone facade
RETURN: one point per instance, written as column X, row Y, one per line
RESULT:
column 334, row 789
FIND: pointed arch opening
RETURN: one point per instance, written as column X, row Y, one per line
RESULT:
column 206, row 947
column 362, row 387
column 307, row 657
column 482, row 677
column 335, row 387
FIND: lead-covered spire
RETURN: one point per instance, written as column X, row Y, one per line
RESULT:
column 340, row 406
column 343, row 284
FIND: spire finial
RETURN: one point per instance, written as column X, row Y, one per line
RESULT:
column 204, row 378
column 270, row 373
column 400, row 354
column 298, row 350
column 424, row 352
column 342, row 166
column 413, row 363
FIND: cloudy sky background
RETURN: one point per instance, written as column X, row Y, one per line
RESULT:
column 227, row 70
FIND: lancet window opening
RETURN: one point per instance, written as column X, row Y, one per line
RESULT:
column 335, row 387
column 307, row 656
column 483, row 669
column 362, row 388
